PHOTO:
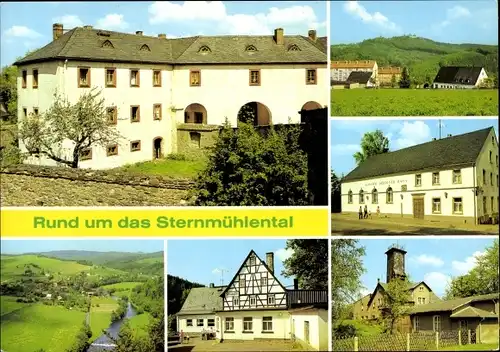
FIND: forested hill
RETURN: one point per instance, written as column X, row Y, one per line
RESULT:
column 422, row 56
column 177, row 292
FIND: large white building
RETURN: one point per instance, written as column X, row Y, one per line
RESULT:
column 255, row 305
column 449, row 179
column 170, row 95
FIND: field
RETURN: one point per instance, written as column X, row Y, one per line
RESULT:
column 100, row 314
column 139, row 324
column 413, row 102
column 52, row 328
column 173, row 166
column 14, row 266
column 364, row 329
column 122, row 286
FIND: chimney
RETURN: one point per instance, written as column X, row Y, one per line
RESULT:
column 138, row 32
column 295, row 284
column 449, row 135
column 433, row 139
column 87, row 27
column 57, row 31
column 378, row 280
column 162, row 35
column 270, row 261
column 278, row 36
column 211, row 285
column 312, row 35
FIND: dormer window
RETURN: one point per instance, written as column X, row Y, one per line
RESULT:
column 293, row 47
column 251, row 49
column 204, row 50
column 107, row 44
column 145, row 48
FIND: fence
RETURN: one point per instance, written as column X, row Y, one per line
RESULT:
column 417, row 341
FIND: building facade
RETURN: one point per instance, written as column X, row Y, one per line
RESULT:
column 478, row 314
column 450, row 179
column 172, row 95
column 456, row 77
column 388, row 75
column 340, row 70
column 255, row 305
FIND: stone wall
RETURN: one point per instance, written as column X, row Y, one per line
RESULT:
column 98, row 176
column 194, row 138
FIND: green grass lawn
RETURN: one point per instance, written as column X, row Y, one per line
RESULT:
column 36, row 326
column 168, row 167
column 100, row 316
column 414, row 102
column 472, row 347
column 139, row 324
column 363, row 328
column 8, row 305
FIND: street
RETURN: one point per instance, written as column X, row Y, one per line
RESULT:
column 349, row 226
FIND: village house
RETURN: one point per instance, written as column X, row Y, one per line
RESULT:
column 457, row 77
column 453, row 179
column 341, row 70
column 360, row 79
column 371, row 306
column 173, row 95
column 477, row 313
column 388, row 75
column 255, row 305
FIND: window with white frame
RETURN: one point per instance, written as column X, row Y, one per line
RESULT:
column 253, row 300
column 247, row 324
column 229, row 324
column 457, row 205
column 271, row 300
column 436, row 205
column 436, row 323
column 457, row 177
column 267, row 324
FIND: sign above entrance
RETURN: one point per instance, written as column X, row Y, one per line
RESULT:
column 385, row 183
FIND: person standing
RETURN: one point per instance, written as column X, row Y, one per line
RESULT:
column 360, row 213
column 366, row 211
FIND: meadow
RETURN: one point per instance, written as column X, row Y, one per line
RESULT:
column 100, row 314
column 26, row 326
column 413, row 102
column 121, row 286
column 139, row 324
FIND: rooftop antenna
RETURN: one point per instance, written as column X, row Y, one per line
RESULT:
column 222, row 276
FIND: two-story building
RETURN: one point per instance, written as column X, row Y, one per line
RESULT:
column 256, row 305
column 341, row 70
column 171, row 95
column 453, row 179
column 371, row 306
column 389, row 75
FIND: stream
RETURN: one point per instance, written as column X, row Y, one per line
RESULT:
column 104, row 343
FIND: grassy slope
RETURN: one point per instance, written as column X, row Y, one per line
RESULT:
column 100, row 317
column 139, row 324
column 422, row 56
column 363, row 328
column 34, row 326
column 168, row 167
column 411, row 102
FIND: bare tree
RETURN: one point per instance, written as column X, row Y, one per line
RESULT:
column 86, row 123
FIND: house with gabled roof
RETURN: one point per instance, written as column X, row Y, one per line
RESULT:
column 341, row 69
column 372, row 306
column 173, row 95
column 478, row 314
column 459, row 77
column 453, row 179
column 256, row 305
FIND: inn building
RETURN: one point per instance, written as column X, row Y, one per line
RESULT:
column 172, row 95
column 453, row 179
column 256, row 305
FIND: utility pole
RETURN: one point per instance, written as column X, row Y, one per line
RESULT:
column 440, row 125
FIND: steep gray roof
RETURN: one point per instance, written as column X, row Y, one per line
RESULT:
column 458, row 75
column 456, row 151
column 202, row 300
column 361, row 77
column 87, row 44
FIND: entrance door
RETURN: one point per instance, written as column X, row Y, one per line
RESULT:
column 157, row 150
column 418, row 207
column 306, row 331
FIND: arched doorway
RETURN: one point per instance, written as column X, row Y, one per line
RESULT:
column 256, row 113
column 195, row 113
column 311, row 105
column 157, row 148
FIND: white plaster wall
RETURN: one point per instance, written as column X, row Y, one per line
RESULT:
column 225, row 89
column 318, row 327
column 182, row 323
column 464, row 190
column 483, row 162
column 281, row 325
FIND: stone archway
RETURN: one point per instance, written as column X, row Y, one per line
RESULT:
column 311, row 105
column 255, row 112
column 195, row 113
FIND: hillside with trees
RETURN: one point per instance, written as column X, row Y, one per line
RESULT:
column 177, row 292
column 422, row 56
